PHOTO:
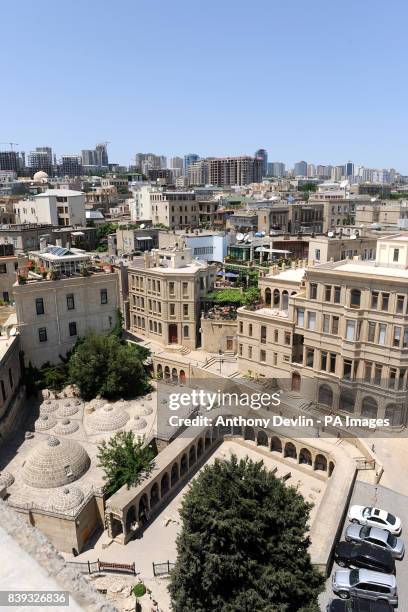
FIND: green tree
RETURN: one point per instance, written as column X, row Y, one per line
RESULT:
column 124, row 461
column 251, row 296
column 103, row 365
column 243, row 544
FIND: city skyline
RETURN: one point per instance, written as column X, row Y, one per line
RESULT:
column 320, row 101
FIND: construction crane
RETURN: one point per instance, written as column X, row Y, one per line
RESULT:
column 11, row 144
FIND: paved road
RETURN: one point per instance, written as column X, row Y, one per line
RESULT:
column 368, row 494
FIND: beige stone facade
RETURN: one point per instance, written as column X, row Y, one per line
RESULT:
column 53, row 314
column 164, row 296
column 338, row 335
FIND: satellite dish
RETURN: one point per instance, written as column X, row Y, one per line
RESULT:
column 142, row 226
column 330, row 234
column 373, row 200
column 246, row 237
column 353, row 237
column 240, row 237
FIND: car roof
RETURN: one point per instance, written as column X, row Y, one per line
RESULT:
column 376, row 577
column 380, row 513
column 379, row 534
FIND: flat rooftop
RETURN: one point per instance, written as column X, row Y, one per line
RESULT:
column 364, row 268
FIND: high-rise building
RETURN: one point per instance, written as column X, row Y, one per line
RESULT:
column 88, row 157
column 176, row 163
column 40, row 159
column 9, row 160
column 224, row 171
column 262, row 154
column 149, row 161
column 101, row 151
column 349, row 169
column 300, row 168
column 276, row 169
column 198, row 173
column 337, row 173
column 311, row 170
column 189, row 159
column 70, row 165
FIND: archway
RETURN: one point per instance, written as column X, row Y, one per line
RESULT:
column 182, row 377
column 154, row 495
column 174, row 474
column 191, row 457
column 164, row 487
column 174, row 375
column 276, row 298
column 276, row 444
column 347, row 400
column 130, row 518
column 305, row 457
column 285, row 300
column 116, row 526
column 262, row 438
column 394, row 414
column 183, row 465
column 159, row 371
column 143, row 509
column 325, row 395
column 331, row 468
column 296, row 381
column 167, row 373
column 200, row 448
column 320, row 463
column 249, row 433
column 369, row 407
column 268, row 297
column 290, row 451
column 207, row 442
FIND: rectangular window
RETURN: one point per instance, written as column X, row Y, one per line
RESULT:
column 276, row 336
column 326, row 324
column 309, row 357
column 104, row 296
column 347, row 369
column 400, row 303
column 275, row 358
column 250, row 329
column 323, row 361
column 392, row 379
column 39, row 306
column 395, row 255
column 385, row 298
column 70, row 301
column 381, row 333
column 371, row 331
column 287, row 338
column 240, row 350
column 241, row 327
column 313, row 291
column 317, row 254
column 250, row 352
column 374, row 300
column 73, row 329
column 185, row 310
column 367, row 371
column 337, row 295
column 172, row 310
column 171, row 288
column 263, row 334
column 42, row 334
column 262, row 356
column 377, row 374
column 327, row 293
column 332, row 364
column 405, row 338
column 311, row 320
column 350, row 329
column 185, row 289
column 335, row 325
column 300, row 316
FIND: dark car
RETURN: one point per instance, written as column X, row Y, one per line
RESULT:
column 358, row 605
column 349, row 554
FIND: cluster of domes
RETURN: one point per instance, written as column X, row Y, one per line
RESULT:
column 40, row 177
column 67, row 498
column 66, row 426
column 44, row 422
column 139, row 423
column 6, row 479
column 143, row 410
column 54, row 463
column 48, row 406
column 107, row 418
column 67, row 410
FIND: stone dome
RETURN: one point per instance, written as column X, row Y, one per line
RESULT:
column 67, row 498
column 40, row 176
column 54, row 463
column 143, row 410
column 66, row 426
column 48, row 406
column 6, row 479
column 67, row 410
column 107, row 418
column 44, row 422
column 139, row 423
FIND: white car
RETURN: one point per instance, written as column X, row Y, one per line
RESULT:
column 374, row 517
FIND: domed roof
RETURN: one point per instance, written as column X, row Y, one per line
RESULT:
column 44, row 422
column 139, row 423
column 40, row 176
column 144, row 410
column 54, row 463
column 6, row 479
column 107, row 418
column 48, row 406
column 67, row 410
column 67, row 498
column 66, row 426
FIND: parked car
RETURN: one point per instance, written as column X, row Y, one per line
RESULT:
column 358, row 605
column 349, row 554
column 381, row 538
column 366, row 584
column 374, row 517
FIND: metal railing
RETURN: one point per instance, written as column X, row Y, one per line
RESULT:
column 162, row 569
column 93, row 567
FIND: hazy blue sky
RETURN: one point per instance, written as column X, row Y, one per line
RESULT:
column 319, row 80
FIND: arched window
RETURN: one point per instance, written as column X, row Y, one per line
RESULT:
column 276, row 297
column 186, row 332
column 305, row 456
column 174, row 474
column 268, row 296
column 262, row 438
column 200, row 448
column 154, row 495
column 249, row 433
column 276, row 445
column 285, row 300
column 164, row 485
column 191, row 456
column 325, row 395
column 290, row 450
column 320, row 463
column 369, row 408
column 394, row 414
column 347, row 400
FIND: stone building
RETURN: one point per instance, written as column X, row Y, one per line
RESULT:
column 165, row 288
column 336, row 332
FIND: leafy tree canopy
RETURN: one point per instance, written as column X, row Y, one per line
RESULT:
column 103, row 365
column 124, row 461
column 243, row 545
